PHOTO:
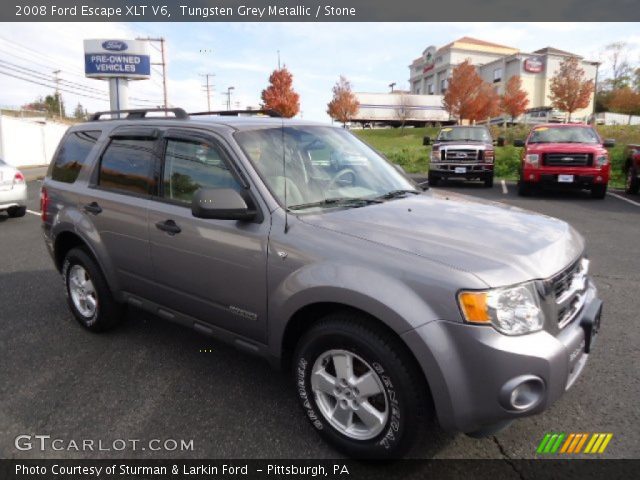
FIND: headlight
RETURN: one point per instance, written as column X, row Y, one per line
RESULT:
column 435, row 154
column 602, row 160
column 511, row 310
column 489, row 155
column 532, row 159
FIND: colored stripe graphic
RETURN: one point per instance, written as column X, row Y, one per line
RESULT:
column 573, row 443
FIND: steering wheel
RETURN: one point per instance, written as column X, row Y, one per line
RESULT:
column 342, row 173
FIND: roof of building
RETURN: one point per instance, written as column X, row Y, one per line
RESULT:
column 475, row 41
column 556, row 51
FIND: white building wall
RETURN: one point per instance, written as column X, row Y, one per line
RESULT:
column 25, row 142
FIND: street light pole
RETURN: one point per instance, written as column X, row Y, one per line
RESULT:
column 229, row 97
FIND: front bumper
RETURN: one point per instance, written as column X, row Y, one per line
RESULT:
column 15, row 197
column 472, row 370
column 582, row 177
column 472, row 170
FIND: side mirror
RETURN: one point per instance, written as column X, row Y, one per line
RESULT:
column 500, row 142
column 221, row 204
column 609, row 142
column 518, row 143
column 426, row 141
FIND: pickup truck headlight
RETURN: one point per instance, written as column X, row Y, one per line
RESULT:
column 489, row 156
column 510, row 310
column 602, row 160
column 532, row 159
column 435, row 155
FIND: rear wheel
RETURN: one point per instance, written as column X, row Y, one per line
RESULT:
column 433, row 179
column 632, row 184
column 598, row 191
column 360, row 388
column 88, row 295
column 15, row 212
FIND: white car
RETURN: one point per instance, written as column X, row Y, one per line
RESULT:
column 13, row 191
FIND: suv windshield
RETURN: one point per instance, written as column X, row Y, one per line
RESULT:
column 321, row 167
column 564, row 135
column 464, row 134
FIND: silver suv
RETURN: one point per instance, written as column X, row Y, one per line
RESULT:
column 297, row 242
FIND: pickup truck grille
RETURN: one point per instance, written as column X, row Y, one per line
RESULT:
column 460, row 155
column 568, row 159
column 569, row 288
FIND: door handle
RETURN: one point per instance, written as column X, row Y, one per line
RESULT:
column 93, row 208
column 168, row 226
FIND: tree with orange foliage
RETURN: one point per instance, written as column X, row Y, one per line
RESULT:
column 486, row 104
column 344, row 104
column 514, row 101
column 463, row 89
column 280, row 95
column 570, row 91
column 625, row 100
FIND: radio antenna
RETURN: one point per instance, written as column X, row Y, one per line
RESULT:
column 284, row 174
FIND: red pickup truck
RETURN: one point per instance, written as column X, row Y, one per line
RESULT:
column 632, row 168
column 564, row 155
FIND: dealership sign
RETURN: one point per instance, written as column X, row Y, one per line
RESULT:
column 110, row 58
column 533, row 65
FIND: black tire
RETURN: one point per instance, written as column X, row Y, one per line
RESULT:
column 525, row 189
column 488, row 181
column 108, row 313
column 598, row 191
column 632, row 184
column 15, row 212
column 433, row 179
column 405, row 389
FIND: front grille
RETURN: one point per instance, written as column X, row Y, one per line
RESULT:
column 568, row 159
column 568, row 288
column 459, row 155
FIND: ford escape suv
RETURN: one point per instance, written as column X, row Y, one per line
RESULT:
column 297, row 242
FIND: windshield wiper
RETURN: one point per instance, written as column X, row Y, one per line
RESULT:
column 340, row 202
column 398, row 193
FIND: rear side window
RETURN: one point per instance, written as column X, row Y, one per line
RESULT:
column 72, row 154
column 127, row 166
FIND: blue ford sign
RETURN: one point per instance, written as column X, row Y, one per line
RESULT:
column 111, row 58
column 114, row 45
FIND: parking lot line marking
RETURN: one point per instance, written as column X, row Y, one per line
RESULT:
column 33, row 213
column 624, row 198
column 504, row 187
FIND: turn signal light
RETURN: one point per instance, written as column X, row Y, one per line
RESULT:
column 474, row 307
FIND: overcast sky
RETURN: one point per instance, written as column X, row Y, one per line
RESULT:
column 242, row 55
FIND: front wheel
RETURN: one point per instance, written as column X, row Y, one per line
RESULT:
column 433, row 179
column 359, row 388
column 598, row 191
column 15, row 212
column 488, row 181
column 632, row 184
column 525, row 189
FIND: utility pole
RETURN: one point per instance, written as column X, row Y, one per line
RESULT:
column 163, row 64
column 56, row 74
column 229, row 97
column 208, row 88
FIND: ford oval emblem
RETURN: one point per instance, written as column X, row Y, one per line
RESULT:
column 114, row 45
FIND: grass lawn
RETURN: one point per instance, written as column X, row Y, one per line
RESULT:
column 404, row 147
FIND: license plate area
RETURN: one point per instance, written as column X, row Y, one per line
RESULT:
column 565, row 178
column 460, row 170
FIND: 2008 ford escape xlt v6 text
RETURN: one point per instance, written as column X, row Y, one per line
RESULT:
column 299, row 243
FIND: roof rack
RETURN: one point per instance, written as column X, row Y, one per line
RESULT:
column 237, row 113
column 178, row 113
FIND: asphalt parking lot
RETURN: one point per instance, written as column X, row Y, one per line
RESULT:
column 150, row 379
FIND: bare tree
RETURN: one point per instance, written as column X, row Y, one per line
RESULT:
column 403, row 112
column 621, row 70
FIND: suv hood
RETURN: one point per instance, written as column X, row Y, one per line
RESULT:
column 564, row 147
column 499, row 244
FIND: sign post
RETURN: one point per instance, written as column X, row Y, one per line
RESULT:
column 117, row 61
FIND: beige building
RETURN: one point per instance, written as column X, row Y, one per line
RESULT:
column 496, row 64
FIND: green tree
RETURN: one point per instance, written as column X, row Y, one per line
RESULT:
column 80, row 113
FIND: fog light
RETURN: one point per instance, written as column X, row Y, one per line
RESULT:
column 532, row 176
column 598, row 179
column 522, row 393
